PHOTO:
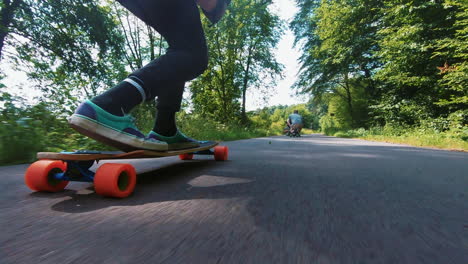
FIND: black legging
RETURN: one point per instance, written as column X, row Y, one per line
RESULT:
column 178, row 21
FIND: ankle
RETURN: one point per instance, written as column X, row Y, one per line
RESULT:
column 165, row 124
column 122, row 98
column 167, row 132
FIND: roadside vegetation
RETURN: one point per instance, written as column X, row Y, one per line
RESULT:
column 394, row 71
column 26, row 129
column 418, row 137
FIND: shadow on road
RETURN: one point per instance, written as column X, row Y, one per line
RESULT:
column 168, row 183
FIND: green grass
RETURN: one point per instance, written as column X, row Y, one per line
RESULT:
column 307, row 131
column 430, row 141
column 449, row 140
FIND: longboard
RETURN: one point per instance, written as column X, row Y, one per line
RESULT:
column 136, row 154
column 55, row 170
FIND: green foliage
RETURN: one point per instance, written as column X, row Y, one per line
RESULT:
column 328, row 125
column 264, row 122
column 241, row 47
column 273, row 119
column 384, row 63
column 338, row 58
column 145, row 115
column 142, row 43
column 339, row 117
column 25, row 130
column 17, row 133
column 76, row 49
column 421, row 137
column 408, row 37
column 201, row 128
column 338, row 46
column 69, row 49
column 454, row 49
column 317, row 110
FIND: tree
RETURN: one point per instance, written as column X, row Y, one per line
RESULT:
column 408, row 39
column 408, row 56
column 241, row 58
column 261, row 32
column 7, row 13
column 304, row 26
column 142, row 43
column 454, row 50
column 68, row 48
column 339, row 52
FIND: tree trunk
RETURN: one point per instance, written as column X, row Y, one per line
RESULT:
column 349, row 99
column 370, row 89
column 160, row 45
column 244, row 89
column 6, row 17
column 151, row 43
column 246, row 81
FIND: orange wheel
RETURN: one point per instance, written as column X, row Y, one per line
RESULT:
column 39, row 176
column 186, row 156
column 115, row 180
column 221, row 153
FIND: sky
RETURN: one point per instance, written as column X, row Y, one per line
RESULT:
column 288, row 56
column 285, row 54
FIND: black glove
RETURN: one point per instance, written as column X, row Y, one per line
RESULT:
column 217, row 13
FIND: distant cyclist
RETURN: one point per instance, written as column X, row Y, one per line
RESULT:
column 295, row 122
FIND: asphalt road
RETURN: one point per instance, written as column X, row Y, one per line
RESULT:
column 314, row 199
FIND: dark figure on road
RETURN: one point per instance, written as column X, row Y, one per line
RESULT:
column 295, row 123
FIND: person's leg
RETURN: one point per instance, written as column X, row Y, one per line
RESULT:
column 178, row 21
column 299, row 127
column 296, row 127
column 122, row 98
column 105, row 118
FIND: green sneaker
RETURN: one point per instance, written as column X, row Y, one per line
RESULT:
column 118, row 131
column 178, row 141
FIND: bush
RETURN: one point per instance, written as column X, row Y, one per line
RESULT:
column 458, row 120
column 20, row 140
column 205, row 129
column 361, row 132
column 328, row 125
column 26, row 130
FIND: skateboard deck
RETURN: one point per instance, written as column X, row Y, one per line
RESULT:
column 54, row 170
column 85, row 155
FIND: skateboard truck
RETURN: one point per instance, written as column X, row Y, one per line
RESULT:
column 76, row 171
